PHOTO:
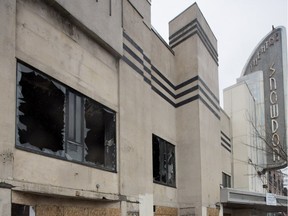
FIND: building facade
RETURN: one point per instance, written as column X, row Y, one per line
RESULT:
column 100, row 116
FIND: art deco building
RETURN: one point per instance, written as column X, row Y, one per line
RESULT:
column 100, row 116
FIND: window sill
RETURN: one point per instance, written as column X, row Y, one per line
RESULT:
column 63, row 159
column 163, row 184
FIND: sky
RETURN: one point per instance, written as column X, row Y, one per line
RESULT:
column 238, row 25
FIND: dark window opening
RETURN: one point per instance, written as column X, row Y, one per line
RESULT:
column 100, row 135
column 163, row 161
column 226, row 180
column 57, row 120
column 22, row 210
column 40, row 111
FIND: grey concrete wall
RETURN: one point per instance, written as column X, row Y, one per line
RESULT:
column 144, row 9
column 102, row 18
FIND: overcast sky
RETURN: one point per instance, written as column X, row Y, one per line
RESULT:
column 238, row 25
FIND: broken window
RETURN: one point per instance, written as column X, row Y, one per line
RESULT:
column 40, row 111
column 100, row 135
column 57, row 120
column 163, row 161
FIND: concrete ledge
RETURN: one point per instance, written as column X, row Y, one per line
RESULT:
column 55, row 191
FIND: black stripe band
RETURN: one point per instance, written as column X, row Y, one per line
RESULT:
column 226, row 147
column 225, row 136
column 228, row 144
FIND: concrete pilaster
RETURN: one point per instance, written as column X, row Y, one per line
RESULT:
column 7, row 89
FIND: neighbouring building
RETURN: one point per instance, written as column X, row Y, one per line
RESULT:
column 257, row 107
column 100, row 116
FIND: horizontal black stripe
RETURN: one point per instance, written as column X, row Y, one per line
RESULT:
column 209, row 99
column 163, row 96
column 215, row 58
column 171, row 102
column 132, row 65
column 146, row 59
column 187, row 101
column 127, row 49
column 181, row 85
column 147, row 70
column 226, row 142
column 193, row 25
column 182, row 29
column 184, row 39
column 135, row 68
column 198, row 26
column 187, row 82
column 148, row 81
column 208, row 89
column 163, row 86
column 225, row 136
column 210, row 108
column 226, row 147
column 189, row 30
column 132, row 42
column 194, row 88
column 205, row 37
column 162, row 76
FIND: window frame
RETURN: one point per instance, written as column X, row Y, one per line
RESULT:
column 65, row 140
column 165, row 147
column 226, row 179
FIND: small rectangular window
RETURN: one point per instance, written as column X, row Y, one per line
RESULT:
column 56, row 120
column 163, row 161
column 226, row 180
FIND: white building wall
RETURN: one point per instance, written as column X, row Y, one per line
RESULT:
column 241, row 106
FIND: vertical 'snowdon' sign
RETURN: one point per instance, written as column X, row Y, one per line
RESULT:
column 274, row 114
column 268, row 57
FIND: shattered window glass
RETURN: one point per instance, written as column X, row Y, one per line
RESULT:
column 40, row 112
column 163, row 161
column 57, row 120
column 99, row 135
